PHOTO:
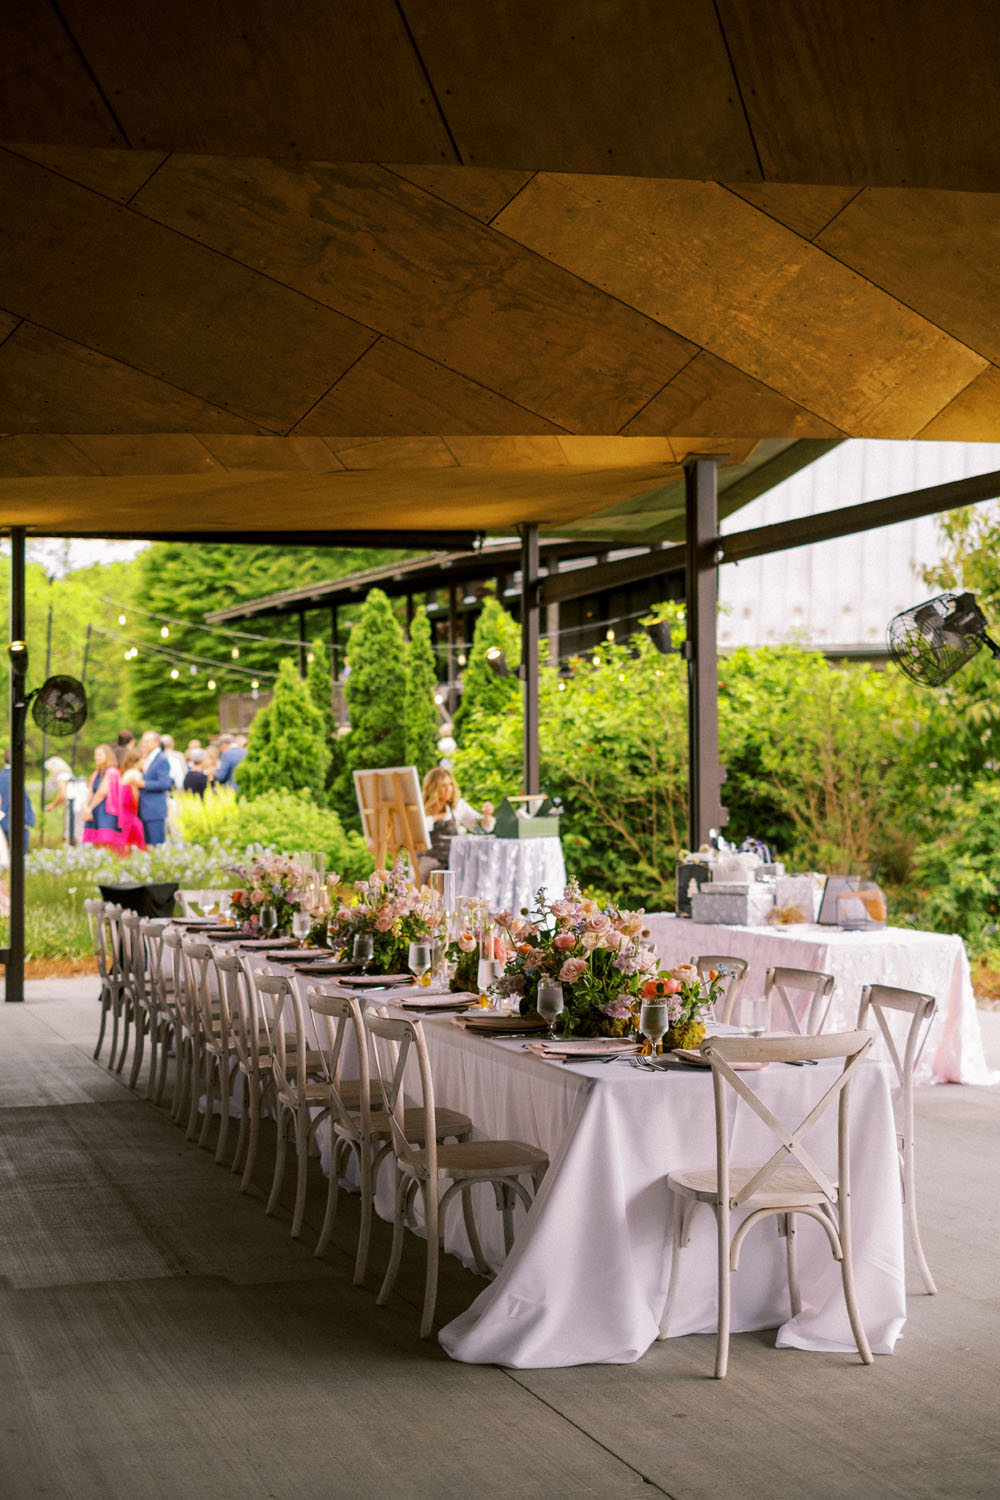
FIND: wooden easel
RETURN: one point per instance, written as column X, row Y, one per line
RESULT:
column 392, row 814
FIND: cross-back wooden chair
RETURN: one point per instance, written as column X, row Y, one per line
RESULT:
column 176, row 997
column 784, row 1182
column 161, row 1027
column 140, row 1001
column 733, row 972
column 881, row 1001
column 214, row 1050
column 109, row 996
column 253, row 1062
column 115, row 942
column 301, row 1093
column 425, row 1168
column 781, row 983
column 358, row 1120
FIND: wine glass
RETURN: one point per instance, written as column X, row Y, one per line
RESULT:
column 549, row 1002
column 301, row 924
column 754, row 1015
column 363, row 950
column 419, row 961
column 654, row 1018
column 487, row 972
column 268, row 919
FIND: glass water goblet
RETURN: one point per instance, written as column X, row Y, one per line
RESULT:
column 363, row 950
column 754, row 1015
column 488, row 972
column 654, row 1018
column 268, row 919
column 549, row 1003
column 301, row 924
column 420, row 960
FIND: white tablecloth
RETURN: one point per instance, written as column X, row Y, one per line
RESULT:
column 587, row 1276
column 507, row 872
column 933, row 963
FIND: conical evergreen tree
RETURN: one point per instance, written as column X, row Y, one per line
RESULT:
column 287, row 747
column 422, row 721
column 376, row 687
column 483, row 692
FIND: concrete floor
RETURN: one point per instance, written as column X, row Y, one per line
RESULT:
column 161, row 1338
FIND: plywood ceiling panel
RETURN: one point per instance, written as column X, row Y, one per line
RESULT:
column 479, row 191
column 48, row 383
column 548, row 85
column 271, row 453
column 973, row 416
column 394, row 391
column 305, row 80
column 856, row 92
column 361, row 240
column 804, row 209
column 46, row 92
column 711, row 397
column 697, row 258
column 108, row 278
column 113, row 174
column 939, row 252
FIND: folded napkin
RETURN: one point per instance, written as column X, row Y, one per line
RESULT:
column 422, row 1001
column 696, row 1060
column 488, row 1023
column 377, row 981
column 583, row 1049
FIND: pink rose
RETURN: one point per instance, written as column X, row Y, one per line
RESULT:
column 672, row 986
column 564, row 940
column 467, row 942
column 383, row 921
column 571, row 970
column 599, row 921
column 592, row 940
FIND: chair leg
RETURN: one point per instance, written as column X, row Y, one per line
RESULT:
column 279, row 1161
column 468, row 1214
column 340, row 1148
column 254, row 1135
column 786, row 1226
column 105, row 1006
column 140, row 1038
column 910, row 1210
column 225, row 1093
column 850, row 1296
column 126, row 1010
column 194, row 1084
column 211, row 1064
column 683, row 1209
column 368, row 1171
column 154, row 1052
column 301, row 1169
column 725, row 1292
column 116, row 1005
column 431, row 1216
column 241, row 1139
column 404, row 1187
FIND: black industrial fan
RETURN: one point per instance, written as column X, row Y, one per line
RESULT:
column 59, row 706
column 931, row 641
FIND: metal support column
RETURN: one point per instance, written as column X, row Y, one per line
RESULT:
column 529, row 654
column 13, row 957
column 454, row 649
column 705, row 775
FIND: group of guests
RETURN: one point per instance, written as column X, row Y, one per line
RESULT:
column 127, row 802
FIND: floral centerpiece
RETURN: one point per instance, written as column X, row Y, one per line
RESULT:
column 269, row 880
column 598, row 954
column 395, row 912
column 475, row 939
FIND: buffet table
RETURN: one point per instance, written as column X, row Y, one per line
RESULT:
column 586, row 1279
column 933, row 963
column 507, row 873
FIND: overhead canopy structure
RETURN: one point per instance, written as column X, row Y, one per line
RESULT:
column 328, row 269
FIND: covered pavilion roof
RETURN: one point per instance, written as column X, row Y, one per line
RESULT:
column 327, row 271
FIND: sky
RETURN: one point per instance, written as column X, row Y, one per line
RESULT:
column 60, row 555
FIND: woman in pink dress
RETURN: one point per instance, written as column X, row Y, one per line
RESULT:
column 131, row 835
column 100, row 812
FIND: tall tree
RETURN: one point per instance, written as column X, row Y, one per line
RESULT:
column 483, row 692
column 287, row 747
column 422, row 721
column 376, row 687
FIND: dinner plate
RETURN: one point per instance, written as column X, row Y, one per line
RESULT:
column 453, row 1001
column 581, row 1047
column 375, row 981
column 493, row 1025
column 696, row 1060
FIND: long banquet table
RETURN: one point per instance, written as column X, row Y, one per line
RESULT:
column 586, row 1279
column 587, row 1276
column 931, row 962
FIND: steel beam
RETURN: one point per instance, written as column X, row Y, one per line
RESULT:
column 529, row 654
column 705, row 775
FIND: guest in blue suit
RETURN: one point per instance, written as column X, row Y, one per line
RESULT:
column 157, row 782
column 29, row 811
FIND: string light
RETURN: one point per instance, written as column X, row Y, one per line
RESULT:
column 165, row 631
column 235, row 653
column 174, row 673
column 121, row 620
column 211, row 684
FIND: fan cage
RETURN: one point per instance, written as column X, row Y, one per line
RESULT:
column 60, row 706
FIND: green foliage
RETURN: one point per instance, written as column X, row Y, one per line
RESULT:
column 422, row 724
column 290, row 821
column 199, row 819
column 483, row 692
column 186, row 582
column 956, row 880
column 376, row 687
column 286, row 748
column 319, row 687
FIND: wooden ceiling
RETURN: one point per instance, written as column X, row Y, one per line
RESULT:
column 391, row 264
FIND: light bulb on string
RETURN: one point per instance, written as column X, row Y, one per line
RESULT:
column 193, row 670
column 165, row 631
column 211, row 684
column 121, row 620
column 235, row 653
column 174, row 673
